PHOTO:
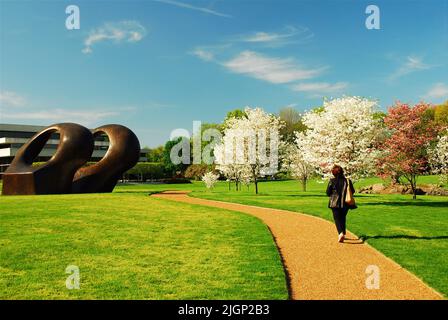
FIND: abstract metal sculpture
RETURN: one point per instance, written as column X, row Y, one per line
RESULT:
column 56, row 175
column 123, row 154
column 63, row 173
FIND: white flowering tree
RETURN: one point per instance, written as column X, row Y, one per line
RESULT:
column 343, row 132
column 210, row 179
column 294, row 163
column 245, row 145
column 246, row 180
column 438, row 159
column 238, row 173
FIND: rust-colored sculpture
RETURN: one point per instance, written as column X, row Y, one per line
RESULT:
column 123, row 154
column 56, row 175
column 63, row 173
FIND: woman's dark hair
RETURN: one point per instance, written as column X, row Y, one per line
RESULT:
column 337, row 171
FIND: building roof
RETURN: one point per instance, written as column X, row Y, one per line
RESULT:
column 20, row 127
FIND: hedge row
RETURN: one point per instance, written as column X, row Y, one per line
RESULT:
column 147, row 171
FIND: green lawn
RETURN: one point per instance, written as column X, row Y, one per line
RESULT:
column 130, row 246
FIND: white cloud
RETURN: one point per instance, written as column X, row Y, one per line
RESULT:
column 11, row 99
column 203, row 54
column 86, row 117
column 156, row 105
column 274, row 70
column 437, row 91
column 276, row 39
column 192, row 7
column 265, row 37
column 210, row 52
column 411, row 64
column 118, row 32
column 323, row 87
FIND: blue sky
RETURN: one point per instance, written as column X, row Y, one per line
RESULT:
column 155, row 66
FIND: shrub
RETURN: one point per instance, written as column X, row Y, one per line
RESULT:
column 197, row 171
column 210, row 179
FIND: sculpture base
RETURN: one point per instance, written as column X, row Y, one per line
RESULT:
column 18, row 184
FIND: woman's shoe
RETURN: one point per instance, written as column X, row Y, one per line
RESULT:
column 341, row 237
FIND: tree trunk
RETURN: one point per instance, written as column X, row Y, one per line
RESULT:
column 229, row 185
column 254, row 176
column 413, row 182
column 414, row 191
column 395, row 179
column 304, row 185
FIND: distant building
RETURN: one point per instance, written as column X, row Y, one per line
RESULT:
column 13, row 136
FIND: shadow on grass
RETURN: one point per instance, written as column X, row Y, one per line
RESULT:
column 307, row 195
column 411, row 203
column 323, row 195
column 402, row 236
column 135, row 191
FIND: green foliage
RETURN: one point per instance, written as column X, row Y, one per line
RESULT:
column 204, row 127
column 170, row 168
column 379, row 115
column 146, row 171
column 155, row 154
column 441, row 114
column 318, row 110
column 292, row 120
column 196, row 171
column 428, row 115
column 237, row 113
column 437, row 114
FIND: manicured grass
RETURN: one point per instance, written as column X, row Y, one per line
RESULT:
column 414, row 233
column 130, row 246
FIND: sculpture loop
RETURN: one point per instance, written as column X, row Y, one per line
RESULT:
column 122, row 155
column 64, row 173
column 56, row 175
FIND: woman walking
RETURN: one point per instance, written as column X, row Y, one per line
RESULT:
column 340, row 199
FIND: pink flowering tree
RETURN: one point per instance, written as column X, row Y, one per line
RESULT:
column 404, row 150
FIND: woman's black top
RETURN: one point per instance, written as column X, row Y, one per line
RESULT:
column 337, row 190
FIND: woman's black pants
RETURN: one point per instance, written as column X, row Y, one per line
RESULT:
column 339, row 216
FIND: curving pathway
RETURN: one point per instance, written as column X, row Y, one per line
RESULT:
column 317, row 266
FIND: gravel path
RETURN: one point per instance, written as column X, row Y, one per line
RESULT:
column 317, row 266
